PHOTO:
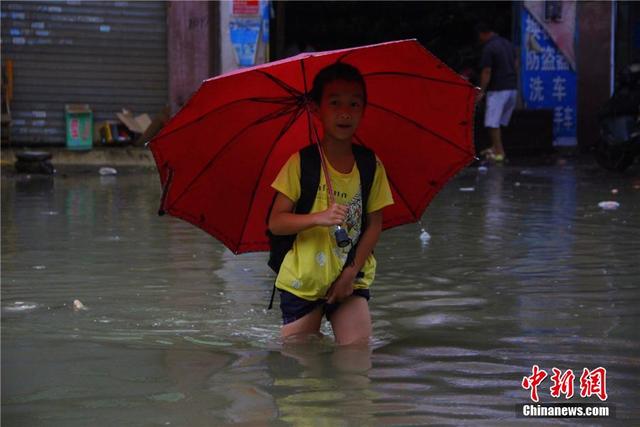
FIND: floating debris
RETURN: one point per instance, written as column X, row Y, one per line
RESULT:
column 107, row 171
column 424, row 236
column 20, row 306
column 609, row 205
column 78, row 305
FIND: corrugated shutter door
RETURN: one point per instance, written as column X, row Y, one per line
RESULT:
column 110, row 55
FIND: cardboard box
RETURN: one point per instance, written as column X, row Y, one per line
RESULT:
column 137, row 124
column 158, row 122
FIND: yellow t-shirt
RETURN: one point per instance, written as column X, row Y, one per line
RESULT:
column 315, row 260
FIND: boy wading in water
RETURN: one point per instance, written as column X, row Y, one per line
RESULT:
column 317, row 276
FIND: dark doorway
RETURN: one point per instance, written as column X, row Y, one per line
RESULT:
column 445, row 28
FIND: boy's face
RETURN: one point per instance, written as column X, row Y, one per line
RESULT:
column 341, row 109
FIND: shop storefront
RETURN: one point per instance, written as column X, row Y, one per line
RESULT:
column 107, row 55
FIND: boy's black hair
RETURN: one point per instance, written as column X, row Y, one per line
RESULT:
column 333, row 72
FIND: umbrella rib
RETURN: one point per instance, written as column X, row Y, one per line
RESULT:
column 341, row 58
column 417, row 76
column 275, row 100
column 264, row 119
column 304, row 76
column 421, row 127
column 282, row 132
column 406, row 203
column 289, row 89
column 283, row 100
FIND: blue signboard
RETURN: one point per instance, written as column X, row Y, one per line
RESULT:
column 548, row 82
column 244, row 33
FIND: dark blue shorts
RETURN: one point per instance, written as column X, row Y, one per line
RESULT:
column 294, row 307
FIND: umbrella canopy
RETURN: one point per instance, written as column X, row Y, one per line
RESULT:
column 219, row 154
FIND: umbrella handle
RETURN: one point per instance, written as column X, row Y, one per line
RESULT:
column 327, row 178
column 165, row 191
column 340, row 233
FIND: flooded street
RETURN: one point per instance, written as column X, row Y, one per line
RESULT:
column 522, row 267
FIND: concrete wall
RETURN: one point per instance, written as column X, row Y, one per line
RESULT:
column 193, row 47
column 199, row 46
column 227, row 57
column 593, row 55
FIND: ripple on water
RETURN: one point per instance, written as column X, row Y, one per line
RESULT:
column 436, row 319
column 482, row 383
column 440, row 302
column 167, row 397
column 208, row 342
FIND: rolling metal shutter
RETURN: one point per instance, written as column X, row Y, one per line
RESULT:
column 110, row 55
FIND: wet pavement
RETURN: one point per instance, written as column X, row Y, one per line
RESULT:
column 522, row 267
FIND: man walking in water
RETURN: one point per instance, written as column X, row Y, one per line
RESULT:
column 499, row 83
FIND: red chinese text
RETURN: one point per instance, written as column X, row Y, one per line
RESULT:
column 594, row 382
column 562, row 383
column 532, row 382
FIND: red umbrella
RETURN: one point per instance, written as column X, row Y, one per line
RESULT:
column 219, row 154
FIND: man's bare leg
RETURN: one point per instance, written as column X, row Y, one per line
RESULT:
column 495, row 135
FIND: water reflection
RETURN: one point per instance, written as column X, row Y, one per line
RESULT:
column 524, row 269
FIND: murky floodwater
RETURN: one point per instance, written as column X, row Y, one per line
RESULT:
column 522, row 268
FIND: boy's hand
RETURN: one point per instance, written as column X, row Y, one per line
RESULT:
column 335, row 215
column 341, row 288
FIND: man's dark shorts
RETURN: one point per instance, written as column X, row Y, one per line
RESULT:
column 294, row 308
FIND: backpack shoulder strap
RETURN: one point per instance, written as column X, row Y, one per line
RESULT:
column 366, row 162
column 309, row 181
column 309, row 178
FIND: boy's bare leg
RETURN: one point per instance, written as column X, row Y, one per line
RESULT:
column 308, row 324
column 351, row 322
column 496, row 140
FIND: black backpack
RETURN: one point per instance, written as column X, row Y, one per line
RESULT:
column 310, row 168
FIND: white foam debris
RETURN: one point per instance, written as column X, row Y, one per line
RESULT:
column 78, row 305
column 609, row 205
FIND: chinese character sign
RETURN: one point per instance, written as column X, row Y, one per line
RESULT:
column 548, row 82
column 246, row 7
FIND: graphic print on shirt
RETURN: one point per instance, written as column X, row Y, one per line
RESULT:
column 353, row 225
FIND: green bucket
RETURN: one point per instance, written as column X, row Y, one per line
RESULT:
column 79, row 123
